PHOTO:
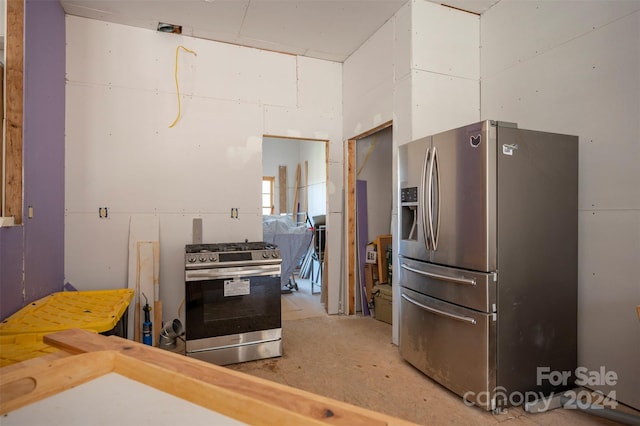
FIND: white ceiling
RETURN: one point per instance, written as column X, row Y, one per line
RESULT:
column 323, row 29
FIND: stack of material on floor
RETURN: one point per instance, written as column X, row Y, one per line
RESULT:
column 315, row 251
column 382, row 298
column 102, row 311
column 292, row 239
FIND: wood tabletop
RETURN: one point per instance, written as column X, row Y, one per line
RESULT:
column 240, row 396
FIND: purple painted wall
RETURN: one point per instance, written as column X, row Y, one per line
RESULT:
column 10, row 269
column 42, row 245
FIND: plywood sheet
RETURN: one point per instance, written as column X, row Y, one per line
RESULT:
column 102, row 402
column 144, row 234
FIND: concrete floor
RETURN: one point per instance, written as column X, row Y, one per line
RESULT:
column 352, row 359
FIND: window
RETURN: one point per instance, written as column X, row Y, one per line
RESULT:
column 268, row 188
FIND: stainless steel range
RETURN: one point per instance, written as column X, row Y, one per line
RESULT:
column 233, row 311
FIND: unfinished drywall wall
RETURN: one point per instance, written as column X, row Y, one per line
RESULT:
column 421, row 70
column 122, row 154
column 445, row 70
column 574, row 68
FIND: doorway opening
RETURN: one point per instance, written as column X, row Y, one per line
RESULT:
column 369, row 213
column 294, row 182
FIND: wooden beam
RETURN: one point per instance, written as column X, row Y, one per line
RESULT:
column 282, row 183
column 14, row 64
column 324, row 296
column 372, row 131
column 351, row 222
column 305, row 202
column 296, row 190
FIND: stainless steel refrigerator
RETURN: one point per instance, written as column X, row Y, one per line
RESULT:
column 488, row 260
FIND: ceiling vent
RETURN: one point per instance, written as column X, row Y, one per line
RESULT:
column 169, row 28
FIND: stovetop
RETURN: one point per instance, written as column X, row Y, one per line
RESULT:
column 229, row 247
column 203, row 256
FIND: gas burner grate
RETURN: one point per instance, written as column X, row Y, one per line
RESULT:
column 229, row 247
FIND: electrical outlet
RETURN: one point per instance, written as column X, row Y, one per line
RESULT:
column 234, row 213
column 103, row 212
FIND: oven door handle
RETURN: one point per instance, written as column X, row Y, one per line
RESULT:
column 231, row 273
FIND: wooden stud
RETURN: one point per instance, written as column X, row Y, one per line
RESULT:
column 351, row 221
column 14, row 57
column 324, row 289
column 306, row 189
column 282, row 182
column 296, row 189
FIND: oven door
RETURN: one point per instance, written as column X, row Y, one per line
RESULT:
column 232, row 301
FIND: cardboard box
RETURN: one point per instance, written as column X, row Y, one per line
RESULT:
column 382, row 298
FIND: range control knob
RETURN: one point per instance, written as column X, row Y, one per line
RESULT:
column 274, row 254
column 191, row 259
column 202, row 259
column 212, row 258
column 265, row 255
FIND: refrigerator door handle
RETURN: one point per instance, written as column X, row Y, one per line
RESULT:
column 429, row 200
column 438, row 311
column 435, row 177
column 425, row 199
column 457, row 280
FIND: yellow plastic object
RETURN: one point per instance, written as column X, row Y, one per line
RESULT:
column 21, row 347
column 98, row 311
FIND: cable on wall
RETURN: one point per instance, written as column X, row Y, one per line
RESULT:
column 177, row 86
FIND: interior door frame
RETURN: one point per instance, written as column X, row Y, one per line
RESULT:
column 351, row 248
column 324, row 288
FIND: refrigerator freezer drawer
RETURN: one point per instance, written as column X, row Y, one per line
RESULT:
column 476, row 290
column 452, row 345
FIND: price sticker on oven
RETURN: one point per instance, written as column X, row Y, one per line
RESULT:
column 236, row 288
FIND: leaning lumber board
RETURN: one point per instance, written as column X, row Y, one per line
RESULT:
column 157, row 303
column 141, row 228
column 282, row 184
column 295, row 208
column 146, row 272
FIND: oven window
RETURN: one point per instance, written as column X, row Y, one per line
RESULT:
column 210, row 313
